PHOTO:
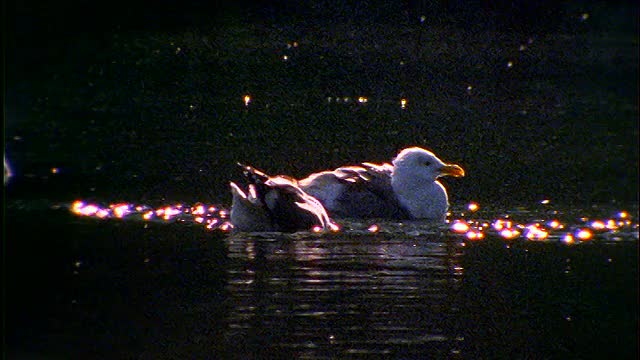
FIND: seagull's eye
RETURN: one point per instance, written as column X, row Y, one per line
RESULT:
column 427, row 163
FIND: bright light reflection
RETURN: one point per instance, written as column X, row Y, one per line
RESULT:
column 598, row 225
column 509, row 233
column 120, row 210
column 473, row 206
column 584, row 234
column 373, row 228
column 533, row 232
column 502, row 224
column 475, row 235
column 198, row 213
column 403, row 103
column 460, row 227
column 247, row 100
column 555, row 224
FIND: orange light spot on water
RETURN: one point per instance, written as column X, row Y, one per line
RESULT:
column 373, row 228
column 555, row 224
column 247, row 100
column 102, row 213
column 568, row 239
column 545, row 202
column 199, row 220
column 475, row 235
column 460, row 226
column 316, row 229
column 611, row 225
column 533, row 232
column 77, row 206
column 224, row 214
column 198, row 210
column 55, row 170
column 211, row 223
column 509, row 233
column 403, row 103
column 88, row 210
column 212, row 209
column 120, row 210
column 473, row 206
column 226, row 226
column 623, row 215
column 334, row 227
column 362, row 100
column 148, row 215
column 584, row 234
column 168, row 212
column 598, row 225
column 502, row 224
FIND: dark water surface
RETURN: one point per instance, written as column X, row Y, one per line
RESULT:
column 131, row 104
column 82, row 287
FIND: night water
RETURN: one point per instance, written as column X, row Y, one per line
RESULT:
column 79, row 285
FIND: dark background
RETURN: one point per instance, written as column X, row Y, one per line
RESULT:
column 142, row 101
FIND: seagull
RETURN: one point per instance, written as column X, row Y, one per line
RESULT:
column 275, row 203
column 405, row 189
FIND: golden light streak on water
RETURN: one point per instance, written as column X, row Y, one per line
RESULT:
column 55, row 170
column 403, row 104
column 247, row 100
column 505, row 228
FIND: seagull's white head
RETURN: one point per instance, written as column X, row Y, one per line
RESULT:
column 423, row 165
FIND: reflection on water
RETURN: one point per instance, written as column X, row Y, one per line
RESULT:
column 540, row 224
column 338, row 295
column 135, row 281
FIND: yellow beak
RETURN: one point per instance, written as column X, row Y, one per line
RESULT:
column 452, row 170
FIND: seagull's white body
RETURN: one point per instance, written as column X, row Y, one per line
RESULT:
column 406, row 189
column 275, row 204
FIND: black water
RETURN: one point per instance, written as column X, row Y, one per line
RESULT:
column 88, row 288
column 130, row 103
